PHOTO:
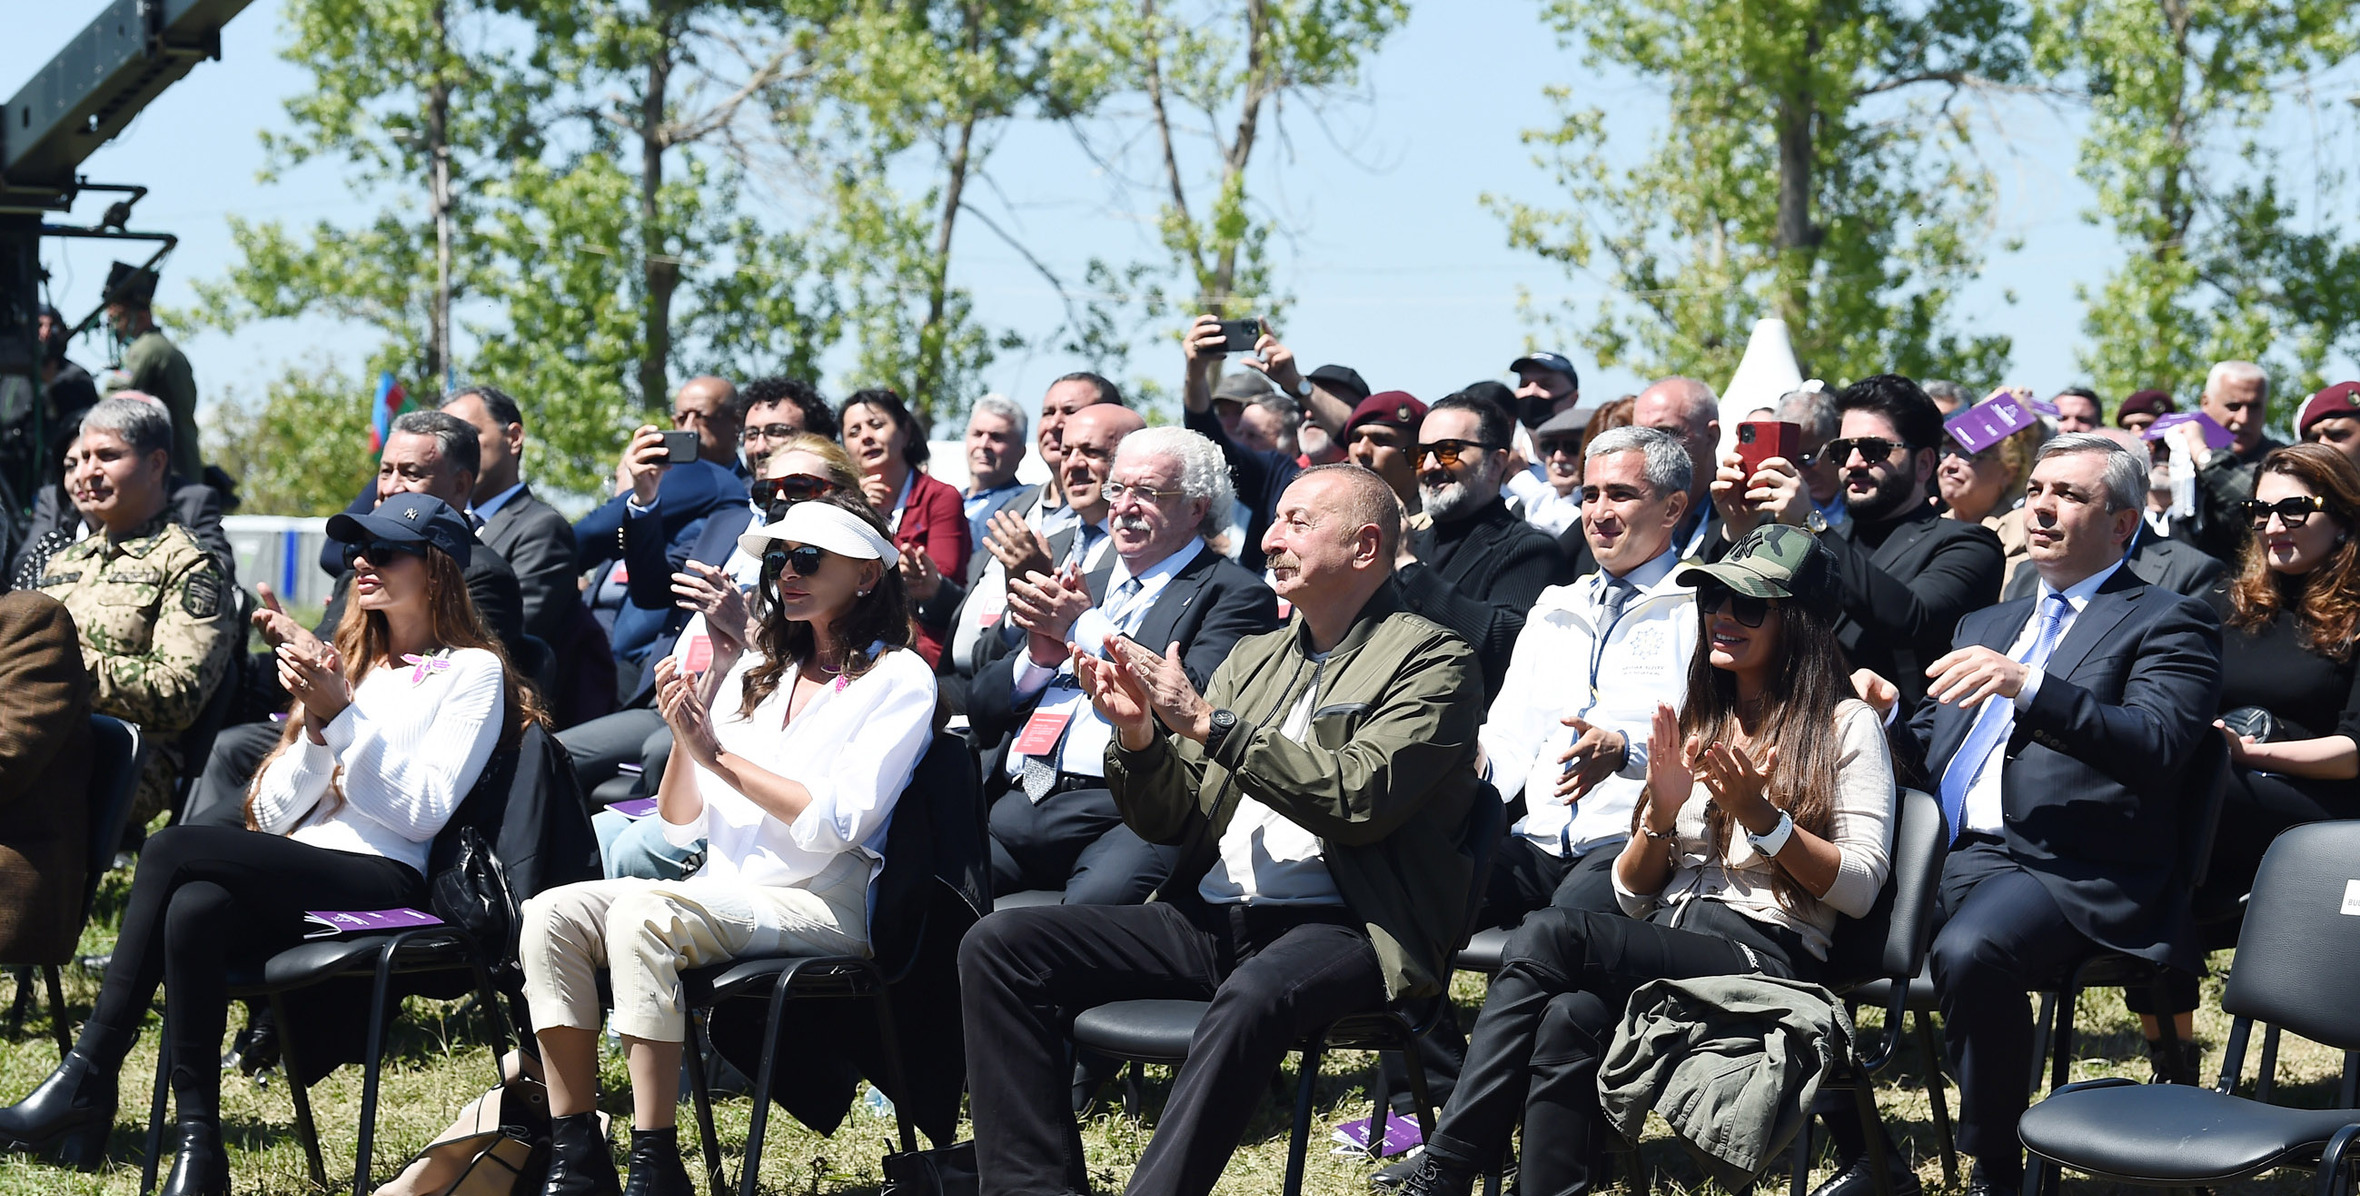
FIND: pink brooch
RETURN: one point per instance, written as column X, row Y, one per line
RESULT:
column 425, row 665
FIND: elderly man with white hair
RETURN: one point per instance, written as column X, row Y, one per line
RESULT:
column 2237, row 397
column 1053, row 822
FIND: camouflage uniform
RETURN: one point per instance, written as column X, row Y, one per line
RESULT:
column 158, row 624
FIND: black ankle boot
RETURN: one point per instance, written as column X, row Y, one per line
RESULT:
column 70, row 1114
column 202, row 1168
column 579, row 1162
column 2180, row 1063
column 656, row 1169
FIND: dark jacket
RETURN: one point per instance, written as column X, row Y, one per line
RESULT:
column 1386, row 779
column 2171, row 564
column 1259, row 475
column 714, row 542
column 2227, row 479
column 653, row 545
column 1906, row 584
column 1492, row 568
column 45, row 810
column 2096, row 767
column 538, row 544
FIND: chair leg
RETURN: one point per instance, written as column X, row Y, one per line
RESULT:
column 1938, row 1093
column 57, row 1011
column 1419, row 1092
column 1134, row 1088
column 23, row 1000
column 1299, row 1142
column 750, row 1172
column 2332, row 1162
column 1799, row 1164
column 2040, row 1042
column 2268, row 1082
column 700, row 1086
column 372, row 1071
column 1864, row 1102
column 157, row 1107
column 2061, row 1047
column 307, row 1131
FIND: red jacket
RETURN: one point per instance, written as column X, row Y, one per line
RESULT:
column 934, row 521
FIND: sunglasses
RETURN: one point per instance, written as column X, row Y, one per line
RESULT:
column 379, row 551
column 1748, row 610
column 791, row 489
column 2293, row 511
column 1872, row 449
column 1449, row 452
column 1959, row 451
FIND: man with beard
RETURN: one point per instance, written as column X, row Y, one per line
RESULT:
column 1478, row 568
column 1907, row 574
column 1054, row 824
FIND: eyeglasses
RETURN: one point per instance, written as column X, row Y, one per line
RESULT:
column 804, row 559
column 768, row 432
column 379, row 551
column 1114, row 492
column 2294, row 510
column 1748, row 610
column 1449, row 451
column 1872, row 449
column 791, row 489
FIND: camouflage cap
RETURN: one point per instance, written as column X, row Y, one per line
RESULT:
column 1772, row 561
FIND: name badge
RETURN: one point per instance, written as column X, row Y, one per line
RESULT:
column 1041, row 733
column 700, row 654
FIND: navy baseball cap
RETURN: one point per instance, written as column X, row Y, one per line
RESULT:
column 1546, row 361
column 1343, row 380
column 407, row 519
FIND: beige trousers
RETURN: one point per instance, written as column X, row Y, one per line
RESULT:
column 646, row 931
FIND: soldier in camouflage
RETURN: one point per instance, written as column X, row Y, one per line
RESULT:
column 156, row 617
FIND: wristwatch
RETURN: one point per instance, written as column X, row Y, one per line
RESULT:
column 1774, row 842
column 1222, row 721
column 1302, row 387
column 1815, row 522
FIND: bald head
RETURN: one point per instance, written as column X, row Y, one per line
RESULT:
column 1688, row 409
column 710, row 406
column 1091, row 437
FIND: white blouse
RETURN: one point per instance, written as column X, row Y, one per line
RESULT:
column 410, row 746
column 854, row 746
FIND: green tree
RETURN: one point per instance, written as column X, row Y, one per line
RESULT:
column 299, row 447
column 2218, row 265
column 1813, row 165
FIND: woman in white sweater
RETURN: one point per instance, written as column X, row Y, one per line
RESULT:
column 787, row 760
column 390, row 728
column 1767, row 815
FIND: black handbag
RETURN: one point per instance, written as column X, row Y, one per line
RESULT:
column 2255, row 723
column 472, row 894
column 947, row 1171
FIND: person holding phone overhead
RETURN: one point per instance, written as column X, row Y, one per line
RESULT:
column 928, row 520
column 788, row 757
column 1261, row 475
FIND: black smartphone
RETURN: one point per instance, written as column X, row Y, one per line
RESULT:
column 1239, row 336
column 680, row 446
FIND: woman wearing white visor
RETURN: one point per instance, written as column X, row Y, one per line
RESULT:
column 787, row 759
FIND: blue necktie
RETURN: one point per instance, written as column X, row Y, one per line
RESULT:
column 1992, row 722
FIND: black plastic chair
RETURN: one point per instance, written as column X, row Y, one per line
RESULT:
column 1887, row 949
column 118, row 753
column 2298, row 964
column 1159, row 1031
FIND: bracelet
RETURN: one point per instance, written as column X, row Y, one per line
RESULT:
column 1775, row 841
column 1661, row 836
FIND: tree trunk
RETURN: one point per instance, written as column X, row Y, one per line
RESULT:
column 1218, row 297
column 438, row 137
column 1794, row 238
column 931, row 334
column 662, row 267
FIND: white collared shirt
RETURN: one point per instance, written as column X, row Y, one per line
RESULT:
column 1084, row 748
column 1267, row 858
column 1985, row 810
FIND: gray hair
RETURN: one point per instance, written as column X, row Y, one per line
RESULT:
column 454, row 438
column 1668, row 469
column 2126, row 471
column 142, row 423
column 1942, row 390
column 1004, row 407
column 1288, row 411
column 1815, row 410
column 2237, row 371
column 1204, row 473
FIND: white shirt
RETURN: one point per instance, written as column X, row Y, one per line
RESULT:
column 486, row 508
column 1541, row 505
column 1266, row 857
column 853, row 746
column 404, row 753
column 1086, row 735
column 1985, row 811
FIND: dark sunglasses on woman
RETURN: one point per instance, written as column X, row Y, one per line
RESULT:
column 379, row 551
column 2294, row 510
column 791, row 489
column 1749, row 611
column 805, row 560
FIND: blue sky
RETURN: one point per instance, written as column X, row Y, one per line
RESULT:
column 1394, row 266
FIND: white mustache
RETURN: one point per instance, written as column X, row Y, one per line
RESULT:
column 1132, row 523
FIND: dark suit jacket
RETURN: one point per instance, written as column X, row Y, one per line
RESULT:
column 2095, row 769
column 44, row 779
column 1207, row 607
column 538, row 544
column 714, row 542
column 653, row 546
column 2157, row 561
column 1487, row 587
column 1903, row 597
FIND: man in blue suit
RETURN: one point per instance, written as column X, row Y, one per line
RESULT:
column 2060, row 727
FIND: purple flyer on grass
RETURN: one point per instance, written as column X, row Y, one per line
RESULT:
column 1401, row 1135
column 1989, row 422
column 2215, row 436
column 366, row 921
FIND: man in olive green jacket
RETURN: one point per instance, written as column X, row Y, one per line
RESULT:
column 1317, row 792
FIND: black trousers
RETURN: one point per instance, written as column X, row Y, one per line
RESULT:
column 599, row 748
column 207, row 898
column 1272, row 973
column 1073, row 840
column 1550, row 1016
column 2001, row 936
column 1523, row 878
column 219, row 796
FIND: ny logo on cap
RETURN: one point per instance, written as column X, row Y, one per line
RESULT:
column 413, row 513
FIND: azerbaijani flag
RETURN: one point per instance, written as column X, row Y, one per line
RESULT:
column 388, row 403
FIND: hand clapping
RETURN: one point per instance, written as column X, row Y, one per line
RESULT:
column 683, row 708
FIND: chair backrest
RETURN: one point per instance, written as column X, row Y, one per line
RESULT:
column 2298, row 959
column 529, row 810
column 118, row 752
column 1889, row 943
column 1479, row 837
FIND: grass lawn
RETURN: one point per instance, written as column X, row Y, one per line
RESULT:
column 438, row 1061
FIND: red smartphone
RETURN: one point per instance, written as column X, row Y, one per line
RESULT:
column 1758, row 440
